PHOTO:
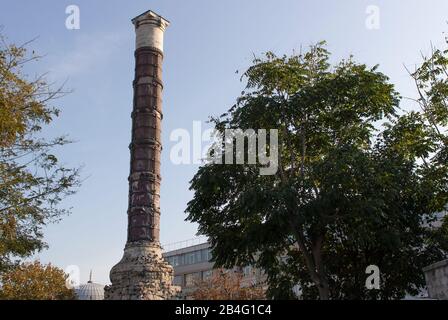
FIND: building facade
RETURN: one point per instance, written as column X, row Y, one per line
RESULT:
column 193, row 264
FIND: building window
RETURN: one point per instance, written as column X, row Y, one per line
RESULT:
column 188, row 280
column 190, row 258
column 192, row 278
column 206, row 255
column 197, row 256
column 181, row 260
column 174, row 260
column 207, row 274
column 177, row 281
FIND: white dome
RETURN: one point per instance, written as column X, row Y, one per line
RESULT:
column 90, row 291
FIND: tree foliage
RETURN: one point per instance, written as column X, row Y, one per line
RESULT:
column 34, row 281
column 348, row 192
column 32, row 180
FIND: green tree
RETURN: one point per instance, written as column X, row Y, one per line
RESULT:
column 32, row 181
column 346, row 195
column 431, row 80
column 34, row 281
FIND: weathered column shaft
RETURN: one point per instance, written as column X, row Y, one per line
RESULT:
column 144, row 178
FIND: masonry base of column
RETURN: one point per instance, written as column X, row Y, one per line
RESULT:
column 436, row 276
column 142, row 274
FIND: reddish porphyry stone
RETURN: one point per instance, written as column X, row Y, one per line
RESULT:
column 146, row 146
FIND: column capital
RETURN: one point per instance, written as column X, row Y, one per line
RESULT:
column 149, row 29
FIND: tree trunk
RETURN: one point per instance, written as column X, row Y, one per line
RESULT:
column 324, row 290
column 314, row 264
column 322, row 282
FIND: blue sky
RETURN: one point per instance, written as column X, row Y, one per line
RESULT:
column 204, row 46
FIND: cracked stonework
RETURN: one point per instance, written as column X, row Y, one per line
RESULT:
column 142, row 274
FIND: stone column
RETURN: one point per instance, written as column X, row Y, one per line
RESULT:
column 142, row 273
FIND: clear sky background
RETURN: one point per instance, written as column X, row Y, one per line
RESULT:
column 204, row 46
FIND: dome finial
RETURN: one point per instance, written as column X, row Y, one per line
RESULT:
column 90, row 277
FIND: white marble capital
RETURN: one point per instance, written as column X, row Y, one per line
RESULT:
column 149, row 30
